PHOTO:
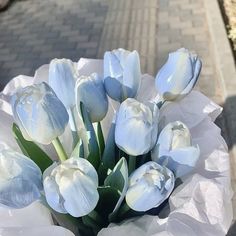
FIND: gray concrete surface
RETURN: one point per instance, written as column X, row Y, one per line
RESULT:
column 32, row 32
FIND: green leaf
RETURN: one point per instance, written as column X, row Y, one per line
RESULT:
column 97, row 218
column 92, row 223
column 102, row 174
column 76, row 225
column 100, row 137
column 109, row 158
column 108, row 198
column 94, row 155
column 118, row 179
column 32, row 150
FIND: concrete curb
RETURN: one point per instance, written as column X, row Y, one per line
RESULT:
column 222, row 50
column 225, row 66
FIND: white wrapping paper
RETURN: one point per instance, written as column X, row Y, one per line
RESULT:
column 200, row 206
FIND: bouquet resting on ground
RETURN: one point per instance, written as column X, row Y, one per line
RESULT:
column 101, row 149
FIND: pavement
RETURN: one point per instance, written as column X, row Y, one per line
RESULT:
column 33, row 32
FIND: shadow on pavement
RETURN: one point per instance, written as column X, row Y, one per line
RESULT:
column 227, row 122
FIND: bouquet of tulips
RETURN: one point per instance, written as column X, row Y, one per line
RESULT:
column 116, row 153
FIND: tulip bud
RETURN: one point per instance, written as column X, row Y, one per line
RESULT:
column 20, row 180
column 90, row 91
column 174, row 149
column 136, row 127
column 38, row 112
column 122, row 74
column 71, row 187
column 62, row 77
column 178, row 75
column 149, row 186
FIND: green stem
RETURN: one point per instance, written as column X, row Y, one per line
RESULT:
column 100, row 137
column 123, row 210
column 73, row 127
column 59, row 149
column 132, row 164
column 96, row 217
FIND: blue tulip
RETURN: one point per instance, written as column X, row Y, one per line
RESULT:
column 91, row 92
column 174, row 149
column 20, row 180
column 136, row 127
column 62, row 77
column 178, row 75
column 122, row 74
column 39, row 113
column 149, row 186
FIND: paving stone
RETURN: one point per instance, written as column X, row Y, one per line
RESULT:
column 56, row 28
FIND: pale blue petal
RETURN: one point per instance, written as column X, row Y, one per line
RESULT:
column 181, row 161
column 149, row 186
column 51, row 189
column 91, row 92
column 112, row 67
column 136, row 127
column 71, row 187
column 178, row 74
column 20, row 180
column 39, row 113
column 62, row 77
column 122, row 74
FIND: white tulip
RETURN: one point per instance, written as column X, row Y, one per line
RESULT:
column 178, row 75
column 71, row 187
column 62, row 77
column 174, row 149
column 20, row 180
column 136, row 127
column 149, row 186
column 122, row 74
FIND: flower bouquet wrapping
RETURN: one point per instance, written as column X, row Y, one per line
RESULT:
column 97, row 148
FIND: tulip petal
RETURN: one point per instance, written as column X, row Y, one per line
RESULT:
column 136, row 127
column 133, row 72
column 198, row 66
column 122, row 74
column 174, row 150
column 149, row 186
column 178, row 75
column 80, row 194
column 91, row 92
column 62, row 77
column 140, row 197
column 52, row 191
column 112, row 66
column 71, row 187
column 38, row 112
column 20, row 180
column 181, row 161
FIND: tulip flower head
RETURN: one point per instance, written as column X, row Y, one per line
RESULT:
column 136, row 127
column 20, row 180
column 91, row 92
column 178, row 75
column 122, row 74
column 71, row 187
column 62, row 77
column 149, row 186
column 39, row 113
column 174, row 149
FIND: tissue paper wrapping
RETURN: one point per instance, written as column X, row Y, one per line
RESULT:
column 200, row 206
